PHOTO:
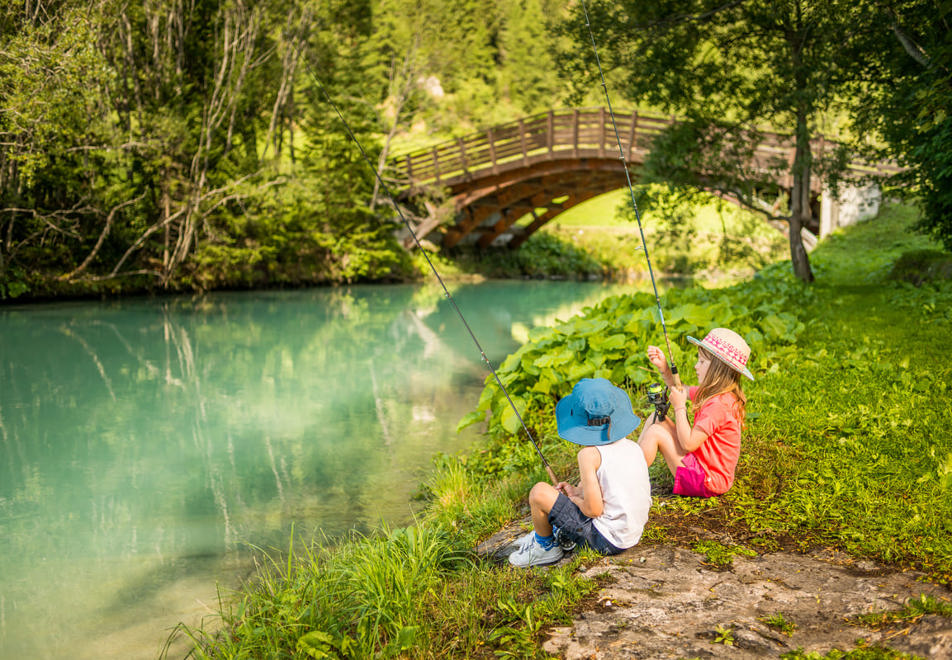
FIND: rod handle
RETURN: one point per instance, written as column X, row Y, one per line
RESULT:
column 555, row 482
column 677, row 378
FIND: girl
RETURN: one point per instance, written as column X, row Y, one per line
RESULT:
column 702, row 458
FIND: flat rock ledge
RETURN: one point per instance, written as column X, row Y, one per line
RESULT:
column 661, row 601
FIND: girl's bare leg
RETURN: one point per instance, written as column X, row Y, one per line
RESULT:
column 659, row 436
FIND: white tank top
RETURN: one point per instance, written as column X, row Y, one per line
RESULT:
column 626, row 493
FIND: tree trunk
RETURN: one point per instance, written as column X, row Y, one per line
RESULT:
column 800, row 212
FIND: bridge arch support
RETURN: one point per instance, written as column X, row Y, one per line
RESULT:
column 539, row 166
column 542, row 166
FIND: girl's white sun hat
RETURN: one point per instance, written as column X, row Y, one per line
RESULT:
column 729, row 347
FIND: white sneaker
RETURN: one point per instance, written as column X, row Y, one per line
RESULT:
column 533, row 554
column 564, row 543
column 524, row 541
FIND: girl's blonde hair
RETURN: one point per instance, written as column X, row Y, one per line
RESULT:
column 719, row 379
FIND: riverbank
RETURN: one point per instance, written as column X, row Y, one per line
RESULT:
column 710, row 243
column 847, row 448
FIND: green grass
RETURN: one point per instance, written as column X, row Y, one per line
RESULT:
column 861, row 651
column 850, row 444
column 913, row 610
column 847, row 446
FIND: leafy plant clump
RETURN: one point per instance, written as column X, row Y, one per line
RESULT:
column 913, row 610
column 544, row 255
column 724, row 635
column 861, row 651
column 779, row 623
column 609, row 341
column 922, row 266
column 720, row 555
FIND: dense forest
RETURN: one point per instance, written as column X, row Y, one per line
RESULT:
column 168, row 145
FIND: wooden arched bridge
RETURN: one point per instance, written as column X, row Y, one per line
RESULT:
column 538, row 166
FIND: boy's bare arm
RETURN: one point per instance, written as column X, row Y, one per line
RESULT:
column 588, row 497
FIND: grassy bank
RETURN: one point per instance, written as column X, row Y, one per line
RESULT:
column 847, row 446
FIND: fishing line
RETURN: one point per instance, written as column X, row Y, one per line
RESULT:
column 631, row 191
column 426, row 255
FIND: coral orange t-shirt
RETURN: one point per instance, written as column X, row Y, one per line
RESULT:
column 719, row 453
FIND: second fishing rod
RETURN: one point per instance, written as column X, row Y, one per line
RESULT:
column 634, row 203
column 426, row 255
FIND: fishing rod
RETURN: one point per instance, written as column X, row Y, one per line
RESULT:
column 426, row 255
column 634, row 204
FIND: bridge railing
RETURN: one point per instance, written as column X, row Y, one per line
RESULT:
column 571, row 133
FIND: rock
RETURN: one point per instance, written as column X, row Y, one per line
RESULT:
column 673, row 605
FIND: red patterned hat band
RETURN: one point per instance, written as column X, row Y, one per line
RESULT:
column 729, row 347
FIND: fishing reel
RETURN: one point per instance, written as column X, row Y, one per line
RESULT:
column 658, row 397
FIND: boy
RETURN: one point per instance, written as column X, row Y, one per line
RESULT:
column 609, row 508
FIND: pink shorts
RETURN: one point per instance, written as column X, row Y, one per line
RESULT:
column 689, row 479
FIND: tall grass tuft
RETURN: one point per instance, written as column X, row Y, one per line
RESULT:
column 362, row 598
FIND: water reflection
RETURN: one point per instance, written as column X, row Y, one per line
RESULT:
column 146, row 444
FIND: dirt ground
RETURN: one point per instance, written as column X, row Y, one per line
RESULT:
column 664, row 601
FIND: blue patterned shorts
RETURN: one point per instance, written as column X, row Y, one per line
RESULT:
column 575, row 525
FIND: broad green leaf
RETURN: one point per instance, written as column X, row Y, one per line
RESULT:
column 577, row 344
column 317, row 644
column 697, row 315
column 508, row 418
column 486, row 397
column 543, row 385
column 592, row 326
column 578, row 371
column 471, row 418
column 553, row 359
column 540, row 333
column 774, row 327
column 607, row 343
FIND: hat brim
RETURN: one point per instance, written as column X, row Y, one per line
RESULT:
column 572, row 421
column 707, row 347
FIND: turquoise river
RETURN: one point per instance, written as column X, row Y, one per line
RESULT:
column 149, row 446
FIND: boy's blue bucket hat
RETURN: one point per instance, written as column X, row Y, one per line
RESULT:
column 595, row 413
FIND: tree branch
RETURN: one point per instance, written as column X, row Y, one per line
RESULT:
column 912, row 48
column 102, row 239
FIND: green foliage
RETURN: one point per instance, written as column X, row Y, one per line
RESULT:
column 367, row 597
column 913, row 610
column 779, row 623
column 529, row 78
column 921, row 266
column 542, row 255
column 610, row 339
column 862, row 651
column 721, row 555
column 724, row 635
column 390, row 595
column 732, row 70
column 906, row 97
